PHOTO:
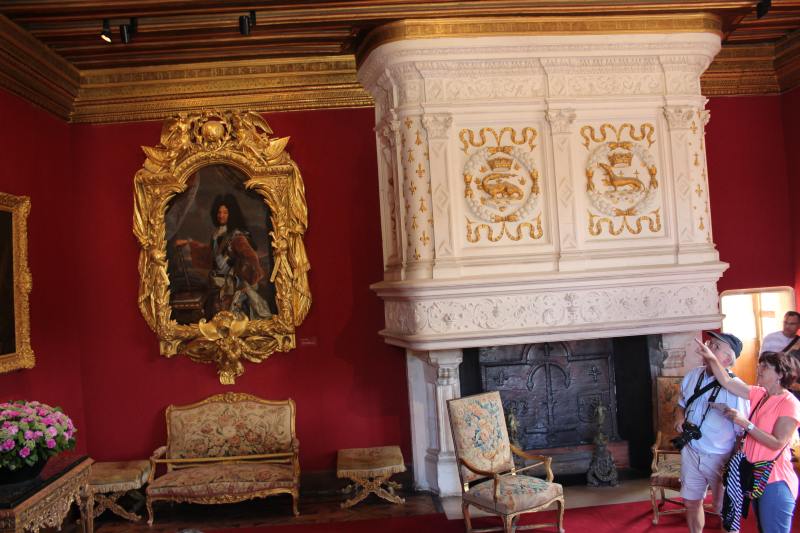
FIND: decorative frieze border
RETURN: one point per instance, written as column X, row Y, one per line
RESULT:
column 32, row 71
column 436, row 315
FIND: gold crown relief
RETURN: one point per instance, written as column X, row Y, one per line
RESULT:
column 621, row 158
column 501, row 163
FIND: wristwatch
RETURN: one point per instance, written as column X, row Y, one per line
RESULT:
column 750, row 427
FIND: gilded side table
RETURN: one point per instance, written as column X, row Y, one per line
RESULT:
column 45, row 502
column 370, row 470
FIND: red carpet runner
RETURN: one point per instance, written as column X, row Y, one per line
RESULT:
column 619, row 518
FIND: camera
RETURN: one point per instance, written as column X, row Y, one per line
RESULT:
column 690, row 432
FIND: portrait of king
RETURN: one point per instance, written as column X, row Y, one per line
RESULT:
column 219, row 253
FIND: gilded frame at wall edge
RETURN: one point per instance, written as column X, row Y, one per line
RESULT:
column 22, row 357
column 242, row 140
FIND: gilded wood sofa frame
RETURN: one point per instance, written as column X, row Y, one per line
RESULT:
column 292, row 458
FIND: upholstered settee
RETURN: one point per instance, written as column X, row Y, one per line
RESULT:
column 227, row 448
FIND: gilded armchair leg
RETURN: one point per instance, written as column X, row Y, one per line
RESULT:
column 508, row 524
column 295, row 497
column 467, row 519
column 654, row 501
column 149, row 505
column 561, row 515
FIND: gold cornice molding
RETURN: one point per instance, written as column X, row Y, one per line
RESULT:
column 151, row 93
column 31, row 70
column 787, row 62
column 742, row 70
column 555, row 25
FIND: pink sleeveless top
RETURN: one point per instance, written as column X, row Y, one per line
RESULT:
column 766, row 416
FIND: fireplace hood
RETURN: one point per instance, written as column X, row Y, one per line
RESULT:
column 540, row 183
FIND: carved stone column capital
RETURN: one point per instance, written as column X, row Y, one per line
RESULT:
column 679, row 117
column 437, row 126
column 705, row 116
column 561, row 120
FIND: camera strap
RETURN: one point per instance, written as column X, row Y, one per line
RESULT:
column 699, row 391
column 791, row 343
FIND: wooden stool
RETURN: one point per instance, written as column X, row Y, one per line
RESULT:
column 370, row 469
column 110, row 481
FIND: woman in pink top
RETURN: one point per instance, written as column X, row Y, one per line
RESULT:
column 773, row 421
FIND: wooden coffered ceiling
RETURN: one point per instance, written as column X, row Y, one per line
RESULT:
column 301, row 53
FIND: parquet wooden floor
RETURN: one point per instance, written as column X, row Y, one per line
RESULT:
column 172, row 518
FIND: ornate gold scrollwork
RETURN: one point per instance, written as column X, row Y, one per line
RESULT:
column 240, row 140
column 18, row 280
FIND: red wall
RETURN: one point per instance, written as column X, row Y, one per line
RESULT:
column 97, row 358
column 95, row 350
column 349, row 386
column 37, row 162
column 749, row 188
column 791, row 118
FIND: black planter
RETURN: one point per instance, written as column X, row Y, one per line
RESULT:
column 21, row 475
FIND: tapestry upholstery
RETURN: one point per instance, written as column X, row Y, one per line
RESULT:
column 227, row 448
column 515, row 493
column 480, row 435
column 221, row 429
column 490, row 480
column 222, row 479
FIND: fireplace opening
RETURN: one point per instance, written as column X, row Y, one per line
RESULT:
column 560, row 394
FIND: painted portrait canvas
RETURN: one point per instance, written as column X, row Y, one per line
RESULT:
column 219, row 253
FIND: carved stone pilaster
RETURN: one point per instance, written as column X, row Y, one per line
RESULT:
column 438, row 128
column 689, row 169
column 561, row 126
column 416, row 198
column 432, row 441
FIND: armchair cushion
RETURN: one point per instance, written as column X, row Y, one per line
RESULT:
column 668, row 474
column 515, row 494
column 231, row 479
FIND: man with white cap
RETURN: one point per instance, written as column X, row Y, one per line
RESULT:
column 706, row 438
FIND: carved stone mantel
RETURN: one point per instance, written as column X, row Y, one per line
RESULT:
column 538, row 186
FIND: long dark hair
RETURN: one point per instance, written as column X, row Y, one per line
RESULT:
column 235, row 216
column 785, row 364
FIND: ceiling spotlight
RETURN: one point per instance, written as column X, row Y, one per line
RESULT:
column 106, row 33
column 244, row 25
column 126, row 31
column 762, row 8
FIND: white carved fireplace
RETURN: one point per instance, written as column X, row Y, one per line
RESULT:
column 541, row 179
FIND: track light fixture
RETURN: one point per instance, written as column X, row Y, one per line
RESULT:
column 126, row 31
column 246, row 22
column 244, row 25
column 762, row 8
column 106, row 33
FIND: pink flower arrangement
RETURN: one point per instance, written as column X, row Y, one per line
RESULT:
column 31, row 432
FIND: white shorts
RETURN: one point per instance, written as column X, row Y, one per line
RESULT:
column 701, row 471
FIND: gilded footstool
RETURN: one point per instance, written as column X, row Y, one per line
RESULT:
column 370, row 469
column 110, row 481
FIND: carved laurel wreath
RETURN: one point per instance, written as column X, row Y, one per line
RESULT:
column 242, row 140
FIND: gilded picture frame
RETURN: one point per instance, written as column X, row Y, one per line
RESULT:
column 15, row 284
column 230, row 156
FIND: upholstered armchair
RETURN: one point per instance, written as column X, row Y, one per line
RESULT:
column 665, row 475
column 666, row 466
column 228, row 448
column 489, row 479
